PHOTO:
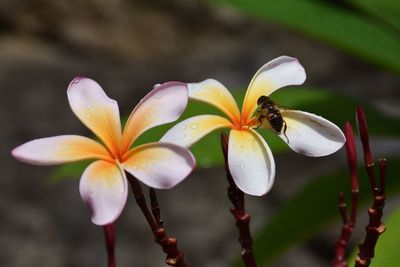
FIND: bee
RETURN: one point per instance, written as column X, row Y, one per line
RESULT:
column 269, row 111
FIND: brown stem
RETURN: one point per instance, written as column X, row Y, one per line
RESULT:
column 349, row 222
column 375, row 226
column 155, row 207
column 236, row 196
column 109, row 235
column 169, row 244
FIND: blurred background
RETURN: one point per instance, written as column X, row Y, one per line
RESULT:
column 350, row 50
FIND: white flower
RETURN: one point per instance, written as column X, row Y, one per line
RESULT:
column 249, row 158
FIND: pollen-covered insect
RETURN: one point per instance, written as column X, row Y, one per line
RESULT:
column 270, row 112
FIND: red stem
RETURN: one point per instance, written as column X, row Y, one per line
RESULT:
column 109, row 235
column 236, row 196
column 169, row 244
column 348, row 223
column 375, row 226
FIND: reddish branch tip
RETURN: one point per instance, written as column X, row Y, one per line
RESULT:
column 351, row 155
column 363, row 131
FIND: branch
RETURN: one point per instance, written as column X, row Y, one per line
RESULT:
column 348, row 223
column 169, row 244
column 375, row 226
column 236, row 196
column 109, row 236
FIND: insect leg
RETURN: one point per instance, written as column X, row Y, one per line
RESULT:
column 284, row 131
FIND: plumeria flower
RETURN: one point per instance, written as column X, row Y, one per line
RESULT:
column 103, row 185
column 250, row 159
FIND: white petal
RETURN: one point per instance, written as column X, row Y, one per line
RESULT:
column 250, row 162
column 96, row 110
column 159, row 165
column 103, row 187
column 60, row 149
column 311, row 135
column 164, row 104
column 214, row 93
column 277, row 73
column 191, row 130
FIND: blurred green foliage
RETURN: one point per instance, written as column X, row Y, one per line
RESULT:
column 342, row 26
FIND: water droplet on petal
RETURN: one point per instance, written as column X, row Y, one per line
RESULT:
column 221, row 94
column 183, row 127
column 144, row 165
column 147, row 118
column 242, row 165
column 156, row 85
column 193, row 126
column 89, row 106
column 161, row 115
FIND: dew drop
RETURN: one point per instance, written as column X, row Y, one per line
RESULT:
column 193, row 126
column 221, row 94
column 76, row 80
column 147, row 118
column 144, row 165
column 242, row 165
column 161, row 115
column 156, row 85
column 89, row 106
column 183, row 127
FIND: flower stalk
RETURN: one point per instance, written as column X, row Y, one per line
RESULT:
column 169, row 244
column 349, row 220
column 375, row 226
column 109, row 235
column 236, row 196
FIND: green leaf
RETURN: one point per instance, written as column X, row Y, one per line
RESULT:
column 387, row 248
column 386, row 10
column 312, row 209
column 349, row 31
column 336, row 108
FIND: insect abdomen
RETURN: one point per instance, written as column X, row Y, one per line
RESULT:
column 276, row 121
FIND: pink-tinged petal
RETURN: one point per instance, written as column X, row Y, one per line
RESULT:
column 159, row 165
column 103, row 187
column 60, row 149
column 191, row 130
column 214, row 93
column 164, row 104
column 277, row 73
column 311, row 135
column 250, row 162
column 96, row 110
